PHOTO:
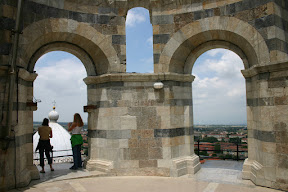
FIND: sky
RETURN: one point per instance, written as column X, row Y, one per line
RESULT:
column 218, row 90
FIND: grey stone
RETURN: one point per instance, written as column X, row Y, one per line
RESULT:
column 57, row 3
column 266, row 136
column 238, row 6
column 231, row 8
column 156, row 58
column 102, row 19
column 161, row 38
column 277, row 44
column 209, row 13
column 24, row 139
column 278, row 82
column 162, row 19
column 268, row 101
column 119, row 39
column 25, row 83
column 7, row 23
column 198, row 15
column 5, row 48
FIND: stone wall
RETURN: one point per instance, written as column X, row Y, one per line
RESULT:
column 16, row 152
column 94, row 31
column 267, row 134
column 139, row 130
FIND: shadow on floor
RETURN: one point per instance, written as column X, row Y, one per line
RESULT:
column 62, row 172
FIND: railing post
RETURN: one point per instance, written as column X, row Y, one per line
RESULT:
column 198, row 146
column 237, row 151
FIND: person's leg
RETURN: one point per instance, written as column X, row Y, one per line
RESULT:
column 75, row 158
column 41, row 154
column 79, row 156
column 49, row 158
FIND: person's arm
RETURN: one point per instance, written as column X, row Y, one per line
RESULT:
column 71, row 126
column 50, row 135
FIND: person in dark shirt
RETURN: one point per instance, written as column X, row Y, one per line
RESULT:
column 44, row 145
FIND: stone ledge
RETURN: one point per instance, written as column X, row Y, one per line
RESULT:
column 136, row 77
column 25, row 75
column 26, row 175
column 188, row 165
column 274, row 67
column 147, row 171
column 254, row 171
column 246, row 172
column 99, row 165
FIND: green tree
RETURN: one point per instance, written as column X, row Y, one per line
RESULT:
column 235, row 140
column 204, row 153
column 210, row 139
column 217, row 148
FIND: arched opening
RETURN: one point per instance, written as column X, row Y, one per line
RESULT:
column 219, row 109
column 60, row 78
column 60, row 84
column 139, row 37
column 181, row 51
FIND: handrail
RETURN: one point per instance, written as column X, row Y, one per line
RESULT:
column 61, row 155
column 222, row 150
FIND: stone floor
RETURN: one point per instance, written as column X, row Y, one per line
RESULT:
column 226, row 172
column 214, row 176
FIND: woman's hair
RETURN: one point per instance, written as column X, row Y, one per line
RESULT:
column 78, row 120
column 45, row 122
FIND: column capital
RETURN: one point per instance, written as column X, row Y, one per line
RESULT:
column 138, row 77
column 273, row 67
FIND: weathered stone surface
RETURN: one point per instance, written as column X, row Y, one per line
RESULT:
column 144, row 128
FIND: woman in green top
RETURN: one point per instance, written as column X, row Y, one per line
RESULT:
column 76, row 140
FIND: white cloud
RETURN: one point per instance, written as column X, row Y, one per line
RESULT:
column 149, row 41
column 147, row 65
column 42, row 59
column 219, row 88
column 134, row 17
column 61, row 81
column 214, row 52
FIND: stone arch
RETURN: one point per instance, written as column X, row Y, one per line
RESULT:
column 213, row 45
column 71, row 36
column 81, row 54
column 214, row 32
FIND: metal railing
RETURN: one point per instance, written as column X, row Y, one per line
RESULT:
column 221, row 151
column 62, row 155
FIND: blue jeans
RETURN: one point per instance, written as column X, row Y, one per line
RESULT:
column 77, row 156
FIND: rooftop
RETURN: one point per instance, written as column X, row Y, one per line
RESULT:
column 218, row 176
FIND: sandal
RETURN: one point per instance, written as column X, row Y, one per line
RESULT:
column 42, row 171
column 52, row 169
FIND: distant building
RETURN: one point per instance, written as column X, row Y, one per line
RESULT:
column 219, row 136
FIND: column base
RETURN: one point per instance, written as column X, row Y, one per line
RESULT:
column 99, row 165
column 188, row 165
column 254, row 171
column 246, row 171
column 28, row 174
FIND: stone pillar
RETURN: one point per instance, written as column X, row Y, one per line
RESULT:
column 267, row 111
column 139, row 130
column 16, row 152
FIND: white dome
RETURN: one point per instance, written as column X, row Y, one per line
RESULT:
column 60, row 141
column 53, row 116
column 60, row 138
